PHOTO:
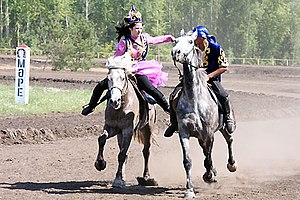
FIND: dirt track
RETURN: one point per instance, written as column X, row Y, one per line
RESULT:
column 52, row 156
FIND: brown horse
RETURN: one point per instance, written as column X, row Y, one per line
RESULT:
column 122, row 118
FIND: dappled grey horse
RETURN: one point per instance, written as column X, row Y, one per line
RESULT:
column 196, row 111
column 122, row 118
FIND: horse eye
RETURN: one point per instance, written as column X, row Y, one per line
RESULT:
column 191, row 41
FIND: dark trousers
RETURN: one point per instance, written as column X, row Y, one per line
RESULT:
column 143, row 83
column 97, row 92
column 218, row 89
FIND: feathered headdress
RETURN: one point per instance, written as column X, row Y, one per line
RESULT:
column 133, row 16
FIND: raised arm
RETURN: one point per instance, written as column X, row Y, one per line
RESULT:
column 159, row 39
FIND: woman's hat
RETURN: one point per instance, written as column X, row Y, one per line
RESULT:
column 133, row 16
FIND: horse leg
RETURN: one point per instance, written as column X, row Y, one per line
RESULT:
column 187, row 163
column 210, row 173
column 146, row 180
column 100, row 163
column 231, row 165
column 124, row 140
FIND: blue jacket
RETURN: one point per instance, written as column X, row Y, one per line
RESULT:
column 214, row 56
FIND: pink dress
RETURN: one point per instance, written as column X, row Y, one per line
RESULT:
column 138, row 47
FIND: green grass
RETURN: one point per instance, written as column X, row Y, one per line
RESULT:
column 43, row 100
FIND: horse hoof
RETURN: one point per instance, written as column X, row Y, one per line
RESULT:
column 100, row 165
column 146, row 181
column 118, row 183
column 232, row 167
column 209, row 178
column 189, row 194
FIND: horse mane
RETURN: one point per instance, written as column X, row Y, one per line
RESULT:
column 202, row 75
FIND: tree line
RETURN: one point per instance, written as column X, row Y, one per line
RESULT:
column 72, row 32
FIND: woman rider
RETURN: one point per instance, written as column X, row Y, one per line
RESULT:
column 148, row 73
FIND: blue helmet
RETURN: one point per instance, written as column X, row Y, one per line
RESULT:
column 201, row 31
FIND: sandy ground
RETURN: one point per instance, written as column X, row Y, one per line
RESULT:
column 52, row 156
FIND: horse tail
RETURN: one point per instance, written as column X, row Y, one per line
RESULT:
column 143, row 135
column 139, row 136
column 146, row 131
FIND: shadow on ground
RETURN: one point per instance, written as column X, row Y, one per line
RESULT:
column 102, row 187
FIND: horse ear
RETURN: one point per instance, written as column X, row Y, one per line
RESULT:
column 108, row 62
column 182, row 32
column 195, row 35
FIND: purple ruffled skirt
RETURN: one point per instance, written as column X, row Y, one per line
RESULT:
column 152, row 69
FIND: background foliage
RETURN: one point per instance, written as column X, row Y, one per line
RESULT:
column 72, row 32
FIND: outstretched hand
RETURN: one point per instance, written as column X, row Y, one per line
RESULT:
column 173, row 39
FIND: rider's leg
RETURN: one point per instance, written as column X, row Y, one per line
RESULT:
column 97, row 92
column 173, row 118
column 223, row 97
column 143, row 83
column 230, row 120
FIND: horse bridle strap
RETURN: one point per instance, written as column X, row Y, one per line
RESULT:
column 186, row 55
column 124, row 90
column 189, row 63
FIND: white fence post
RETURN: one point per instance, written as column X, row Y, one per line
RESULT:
column 22, row 74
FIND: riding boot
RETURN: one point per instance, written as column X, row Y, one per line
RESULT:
column 164, row 104
column 144, row 84
column 174, row 125
column 229, row 116
column 97, row 92
column 160, row 99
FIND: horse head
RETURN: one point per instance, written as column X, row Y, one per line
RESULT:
column 118, row 67
column 185, row 50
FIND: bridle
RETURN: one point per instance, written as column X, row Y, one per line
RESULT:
column 185, row 55
column 123, row 90
column 189, row 63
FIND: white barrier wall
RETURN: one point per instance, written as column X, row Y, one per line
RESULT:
column 22, row 74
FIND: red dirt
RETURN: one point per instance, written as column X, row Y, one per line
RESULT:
column 52, row 156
